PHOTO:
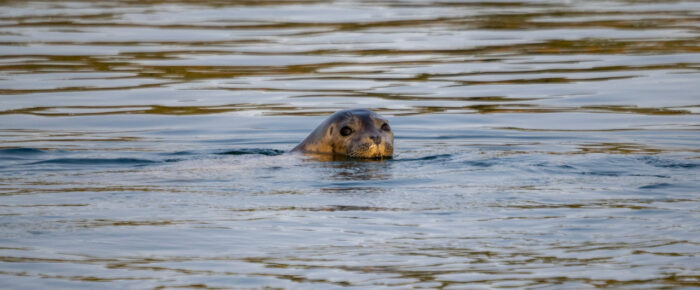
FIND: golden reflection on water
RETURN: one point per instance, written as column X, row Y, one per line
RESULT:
column 281, row 110
column 156, row 60
column 536, row 140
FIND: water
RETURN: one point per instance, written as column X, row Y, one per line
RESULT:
column 545, row 144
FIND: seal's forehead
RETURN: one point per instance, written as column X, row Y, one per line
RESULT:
column 357, row 114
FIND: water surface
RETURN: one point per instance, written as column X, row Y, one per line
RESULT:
column 538, row 144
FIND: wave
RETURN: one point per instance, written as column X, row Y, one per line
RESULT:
column 95, row 161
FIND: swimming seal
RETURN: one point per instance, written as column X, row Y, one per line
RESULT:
column 356, row 133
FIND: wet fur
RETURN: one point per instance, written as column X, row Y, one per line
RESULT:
column 366, row 125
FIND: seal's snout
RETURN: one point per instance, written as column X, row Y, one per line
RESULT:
column 376, row 139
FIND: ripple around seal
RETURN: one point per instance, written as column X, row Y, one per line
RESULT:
column 248, row 151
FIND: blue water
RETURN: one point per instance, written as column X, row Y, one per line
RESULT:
column 539, row 144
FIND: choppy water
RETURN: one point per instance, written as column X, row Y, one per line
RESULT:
column 538, row 144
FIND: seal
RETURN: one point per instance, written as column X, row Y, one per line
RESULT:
column 356, row 133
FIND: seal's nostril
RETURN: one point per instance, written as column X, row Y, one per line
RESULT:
column 376, row 139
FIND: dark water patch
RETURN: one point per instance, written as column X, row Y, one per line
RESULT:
column 609, row 173
column 19, row 151
column 668, row 163
column 368, row 183
column 179, row 153
column 438, row 157
column 558, row 166
column 130, row 223
column 178, row 156
column 252, row 151
column 330, row 208
column 20, row 154
column 47, row 205
column 656, row 186
column 97, row 161
column 481, row 163
column 651, row 175
column 356, row 208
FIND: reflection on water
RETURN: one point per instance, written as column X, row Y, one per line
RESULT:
column 539, row 143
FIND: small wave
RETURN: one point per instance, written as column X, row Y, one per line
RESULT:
column 601, row 173
column 478, row 163
column 20, row 151
column 426, row 158
column 655, row 186
column 663, row 163
column 558, row 166
column 178, row 153
column 95, row 161
column 247, row 151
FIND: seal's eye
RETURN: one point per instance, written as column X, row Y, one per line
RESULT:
column 386, row 127
column 345, row 131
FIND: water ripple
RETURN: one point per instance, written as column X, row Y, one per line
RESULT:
column 95, row 161
column 539, row 144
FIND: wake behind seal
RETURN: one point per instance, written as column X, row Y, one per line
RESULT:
column 356, row 133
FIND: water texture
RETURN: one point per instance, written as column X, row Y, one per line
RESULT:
column 539, row 144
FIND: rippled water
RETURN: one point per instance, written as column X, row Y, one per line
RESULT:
column 538, row 144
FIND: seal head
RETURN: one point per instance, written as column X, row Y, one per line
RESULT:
column 357, row 133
